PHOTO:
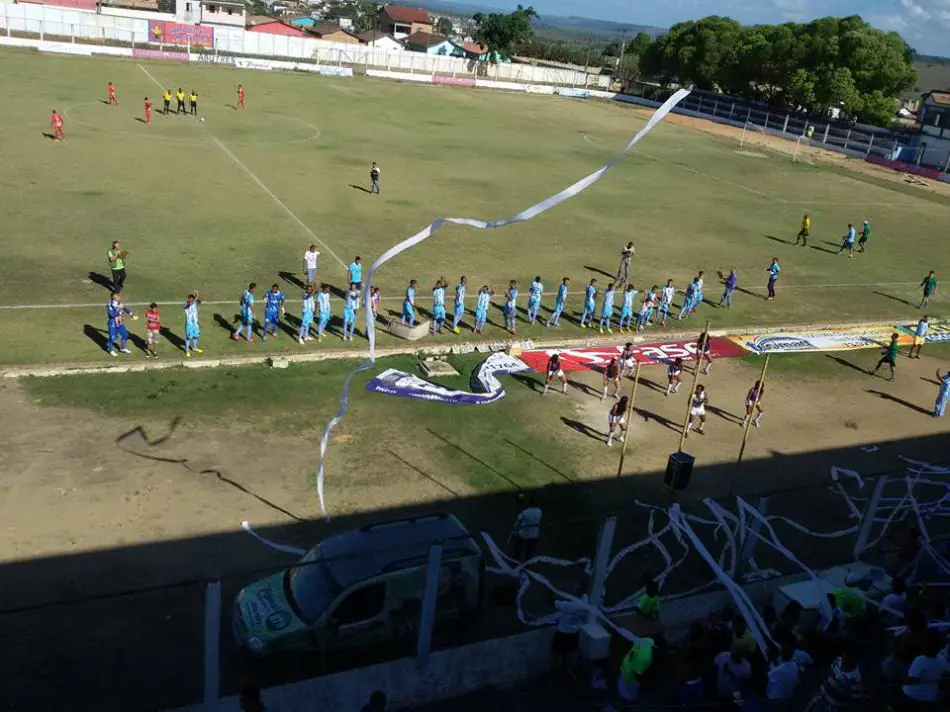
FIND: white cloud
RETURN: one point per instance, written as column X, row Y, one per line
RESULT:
column 927, row 10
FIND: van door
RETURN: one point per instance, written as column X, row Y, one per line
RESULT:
column 359, row 615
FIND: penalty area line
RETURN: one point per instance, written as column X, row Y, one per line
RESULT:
column 259, row 182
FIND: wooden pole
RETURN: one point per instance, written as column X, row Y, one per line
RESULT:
column 626, row 425
column 692, row 390
column 748, row 425
column 758, row 397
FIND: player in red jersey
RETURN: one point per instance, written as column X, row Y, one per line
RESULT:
column 148, row 111
column 56, row 121
column 240, row 101
column 112, row 97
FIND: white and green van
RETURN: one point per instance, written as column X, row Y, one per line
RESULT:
column 361, row 588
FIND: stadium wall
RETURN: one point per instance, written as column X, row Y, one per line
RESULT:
column 133, row 29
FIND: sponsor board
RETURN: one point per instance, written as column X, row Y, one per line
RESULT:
column 574, row 93
column 539, row 89
column 486, row 388
column 162, row 32
column 937, row 333
column 402, row 76
column 271, row 64
column 454, row 81
column 506, row 86
column 821, row 340
column 159, row 54
column 596, row 357
column 904, row 166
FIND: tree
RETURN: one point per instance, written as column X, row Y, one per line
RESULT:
column 639, row 44
column 828, row 62
column 499, row 33
column 444, row 27
column 366, row 16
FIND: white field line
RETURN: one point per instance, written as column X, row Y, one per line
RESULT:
column 259, row 182
column 469, row 300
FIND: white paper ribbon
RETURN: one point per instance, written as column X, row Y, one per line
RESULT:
column 430, row 230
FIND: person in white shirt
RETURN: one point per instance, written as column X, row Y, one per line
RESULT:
column 310, row 264
column 783, row 675
column 922, row 681
column 526, row 530
column 893, row 604
column 732, row 671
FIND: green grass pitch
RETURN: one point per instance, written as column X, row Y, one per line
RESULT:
column 180, row 197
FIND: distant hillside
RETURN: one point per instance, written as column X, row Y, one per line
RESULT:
column 931, row 74
column 548, row 26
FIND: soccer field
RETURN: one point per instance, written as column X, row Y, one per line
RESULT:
column 214, row 205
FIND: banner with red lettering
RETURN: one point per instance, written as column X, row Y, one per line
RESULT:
column 595, row 358
column 173, row 33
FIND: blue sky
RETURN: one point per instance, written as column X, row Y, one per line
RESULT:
column 925, row 24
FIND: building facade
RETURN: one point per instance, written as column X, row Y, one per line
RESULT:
column 400, row 22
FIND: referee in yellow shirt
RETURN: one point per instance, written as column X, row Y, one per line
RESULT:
column 193, row 100
column 804, row 232
column 167, row 100
column 180, row 96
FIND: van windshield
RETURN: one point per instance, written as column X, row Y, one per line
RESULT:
column 310, row 587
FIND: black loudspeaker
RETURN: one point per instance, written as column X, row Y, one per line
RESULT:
column 679, row 468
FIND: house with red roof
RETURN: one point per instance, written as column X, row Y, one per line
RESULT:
column 400, row 22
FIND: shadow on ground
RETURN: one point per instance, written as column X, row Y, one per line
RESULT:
column 128, row 622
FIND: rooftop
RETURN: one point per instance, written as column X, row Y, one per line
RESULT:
column 407, row 14
column 939, row 97
column 425, row 39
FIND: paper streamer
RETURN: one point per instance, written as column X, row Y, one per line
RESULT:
column 246, row 526
column 430, row 230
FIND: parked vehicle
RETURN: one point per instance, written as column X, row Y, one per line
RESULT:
column 361, row 588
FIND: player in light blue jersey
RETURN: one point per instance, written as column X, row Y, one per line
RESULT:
column 323, row 306
column 689, row 299
column 115, row 314
column 511, row 306
column 481, row 308
column 459, row 305
column 699, row 291
column 666, row 301
column 307, row 308
column 438, row 307
column 192, row 329
column 559, row 301
column 245, row 320
column 273, row 311
column 409, row 304
column 607, row 309
column 626, row 311
column 534, row 299
column 350, row 304
column 590, row 304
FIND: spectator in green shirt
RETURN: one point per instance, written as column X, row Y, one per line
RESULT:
column 649, row 603
column 889, row 357
column 930, row 288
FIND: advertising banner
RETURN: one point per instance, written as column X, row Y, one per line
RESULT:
column 485, row 384
column 819, row 340
column 904, row 166
column 158, row 54
column 173, row 33
column 574, row 93
column 454, row 81
column 597, row 357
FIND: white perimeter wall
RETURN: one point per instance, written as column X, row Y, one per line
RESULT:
column 133, row 28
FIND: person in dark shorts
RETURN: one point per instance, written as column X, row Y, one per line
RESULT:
column 193, row 101
column 572, row 617
column 180, row 98
column 889, row 357
column 374, row 179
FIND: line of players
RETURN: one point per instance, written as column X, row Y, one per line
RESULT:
column 622, row 366
column 57, row 123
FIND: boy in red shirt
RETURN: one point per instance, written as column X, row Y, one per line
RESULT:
column 56, row 121
column 240, row 101
column 148, row 111
column 153, row 326
column 112, row 96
